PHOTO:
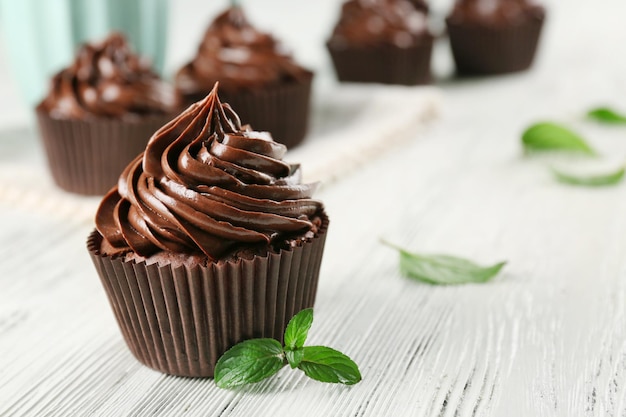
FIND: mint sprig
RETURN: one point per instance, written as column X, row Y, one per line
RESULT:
column 443, row 269
column 547, row 136
column 256, row 359
column 606, row 115
column 597, row 180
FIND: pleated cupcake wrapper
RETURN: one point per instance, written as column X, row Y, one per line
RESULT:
column 481, row 50
column 180, row 320
column 384, row 64
column 283, row 110
column 87, row 156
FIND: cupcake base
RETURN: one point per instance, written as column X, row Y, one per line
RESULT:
column 87, row 156
column 384, row 64
column 486, row 50
column 281, row 109
column 180, row 320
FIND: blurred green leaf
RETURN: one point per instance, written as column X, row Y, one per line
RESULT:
column 547, row 136
column 597, row 180
column 606, row 115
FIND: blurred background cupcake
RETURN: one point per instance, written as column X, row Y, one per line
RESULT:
column 257, row 76
column 42, row 36
column 99, row 114
column 494, row 36
column 382, row 41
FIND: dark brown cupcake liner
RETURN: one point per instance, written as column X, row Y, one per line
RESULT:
column 487, row 50
column 386, row 64
column 280, row 109
column 180, row 320
column 87, row 156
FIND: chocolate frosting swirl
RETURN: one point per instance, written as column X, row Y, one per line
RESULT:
column 379, row 22
column 107, row 80
column 239, row 56
column 495, row 12
column 203, row 185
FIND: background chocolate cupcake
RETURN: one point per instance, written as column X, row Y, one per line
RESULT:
column 494, row 37
column 268, row 88
column 209, row 239
column 99, row 114
column 381, row 41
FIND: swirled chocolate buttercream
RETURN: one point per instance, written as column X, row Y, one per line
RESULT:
column 239, row 56
column 108, row 80
column 379, row 22
column 207, row 185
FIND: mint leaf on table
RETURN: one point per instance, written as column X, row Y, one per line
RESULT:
column 444, row 269
column 329, row 365
column 606, row 115
column 249, row 361
column 597, row 180
column 298, row 329
column 256, row 359
column 546, row 136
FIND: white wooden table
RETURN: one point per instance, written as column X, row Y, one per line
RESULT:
column 546, row 338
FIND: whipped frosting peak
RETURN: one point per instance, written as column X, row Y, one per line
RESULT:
column 107, row 79
column 204, row 185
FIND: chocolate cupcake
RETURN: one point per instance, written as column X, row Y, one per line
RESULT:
column 494, row 37
column 100, row 113
column 270, row 91
column 208, row 239
column 381, row 41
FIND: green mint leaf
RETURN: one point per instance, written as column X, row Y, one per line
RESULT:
column 294, row 357
column 598, row 180
column 606, row 115
column 249, row 361
column 542, row 137
column 329, row 365
column 298, row 329
column 444, row 269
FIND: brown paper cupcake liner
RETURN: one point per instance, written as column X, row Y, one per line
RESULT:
column 482, row 50
column 180, row 320
column 281, row 109
column 87, row 156
column 384, row 64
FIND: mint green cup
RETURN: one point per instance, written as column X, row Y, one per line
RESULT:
column 41, row 36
